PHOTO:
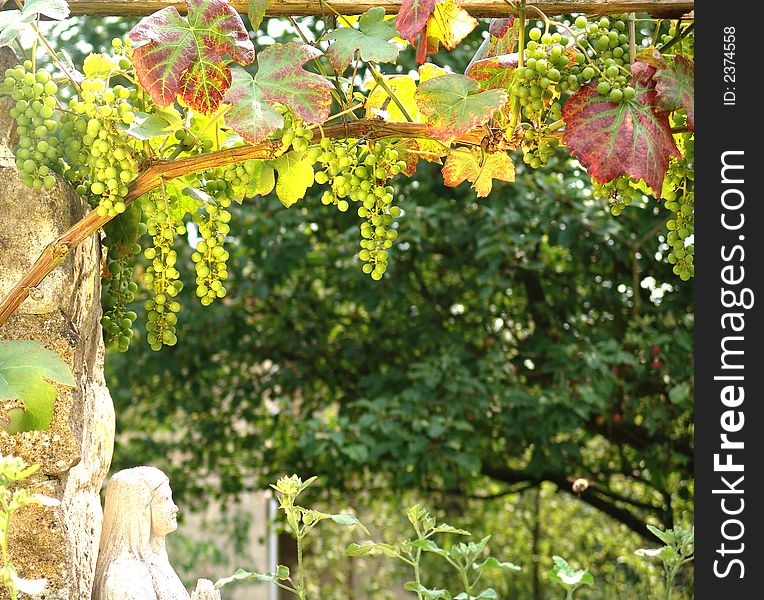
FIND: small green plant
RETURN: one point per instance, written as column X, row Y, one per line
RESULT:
column 569, row 578
column 13, row 469
column 679, row 549
column 463, row 557
column 301, row 521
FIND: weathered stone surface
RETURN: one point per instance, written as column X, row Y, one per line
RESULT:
column 59, row 544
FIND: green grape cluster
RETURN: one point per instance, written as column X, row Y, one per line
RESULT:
column 38, row 150
column 119, row 291
column 621, row 192
column 161, row 277
column 604, row 46
column 211, row 256
column 295, row 133
column 546, row 60
column 539, row 143
column 102, row 158
column 359, row 172
column 679, row 193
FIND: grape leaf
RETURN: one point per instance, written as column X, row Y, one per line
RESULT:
column 146, row 126
column 53, row 9
column 98, row 66
column 478, row 169
column 495, row 72
column 412, row 18
column 449, row 24
column 295, row 176
column 13, row 21
column 675, row 88
column 280, row 78
column 25, row 367
column 371, row 40
column 453, row 108
column 630, row 137
column 501, row 40
column 185, row 56
column 256, row 13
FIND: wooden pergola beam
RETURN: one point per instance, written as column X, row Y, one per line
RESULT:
column 477, row 8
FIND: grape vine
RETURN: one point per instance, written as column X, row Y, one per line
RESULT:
column 616, row 91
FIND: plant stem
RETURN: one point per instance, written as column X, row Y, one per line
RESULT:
column 300, row 570
column 520, row 61
column 417, row 576
column 54, row 57
column 380, row 80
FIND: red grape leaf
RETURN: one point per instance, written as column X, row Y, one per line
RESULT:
column 371, row 40
column 477, row 168
column 501, row 41
column 412, row 18
column 493, row 72
column 631, row 137
column 453, row 108
column 186, row 55
column 675, row 88
column 280, row 78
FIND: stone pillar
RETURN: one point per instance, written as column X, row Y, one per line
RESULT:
column 64, row 314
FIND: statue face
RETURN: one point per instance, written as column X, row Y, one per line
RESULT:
column 164, row 512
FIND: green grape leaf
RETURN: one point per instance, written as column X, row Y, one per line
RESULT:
column 25, row 368
column 495, row 72
column 185, row 56
column 260, row 178
column 371, row 40
column 295, row 176
column 146, row 126
column 53, row 9
column 280, row 79
column 675, row 88
column 11, row 24
column 453, row 106
column 98, row 66
column 412, row 18
column 632, row 137
column 13, row 21
column 257, row 10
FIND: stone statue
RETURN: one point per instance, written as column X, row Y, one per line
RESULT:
column 132, row 558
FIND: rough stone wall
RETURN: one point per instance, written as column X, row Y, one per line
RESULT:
column 63, row 313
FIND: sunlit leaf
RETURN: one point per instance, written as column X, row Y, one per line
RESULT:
column 295, row 176
column 495, row 72
column 185, row 56
column 453, row 106
column 449, row 24
column 380, row 104
column 371, row 40
column 26, row 369
column 631, row 137
column 369, row 547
